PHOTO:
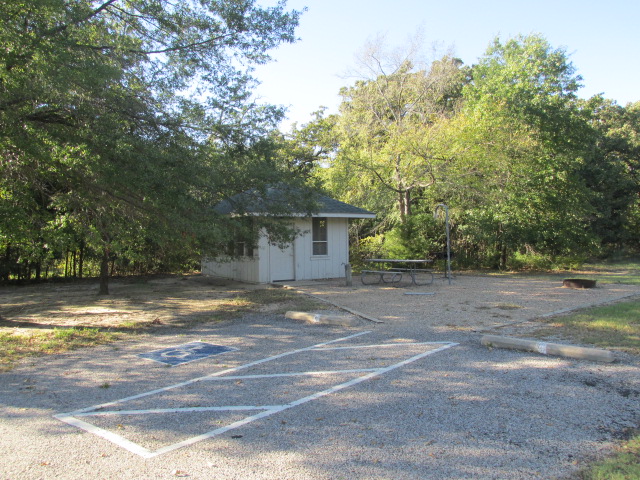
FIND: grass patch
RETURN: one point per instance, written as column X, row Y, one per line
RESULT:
column 14, row 347
column 253, row 301
column 267, row 296
column 508, row 306
column 623, row 465
column 42, row 340
column 289, row 299
column 624, row 271
column 225, row 310
column 228, row 309
column 130, row 327
column 609, row 326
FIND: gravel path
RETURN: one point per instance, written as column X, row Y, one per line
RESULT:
column 463, row 412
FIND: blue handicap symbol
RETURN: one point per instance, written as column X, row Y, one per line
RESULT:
column 188, row 352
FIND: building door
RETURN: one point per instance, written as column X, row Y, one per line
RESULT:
column 281, row 262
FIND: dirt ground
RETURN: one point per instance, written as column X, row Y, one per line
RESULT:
column 469, row 303
column 465, row 412
column 514, row 304
column 148, row 300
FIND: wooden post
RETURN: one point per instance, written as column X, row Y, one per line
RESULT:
column 347, row 274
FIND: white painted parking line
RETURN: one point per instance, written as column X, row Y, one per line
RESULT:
column 112, row 409
column 223, row 372
column 293, row 374
column 382, row 345
column 230, row 408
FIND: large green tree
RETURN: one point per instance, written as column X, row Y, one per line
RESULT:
column 122, row 120
column 392, row 129
column 526, row 128
column 613, row 171
column 531, row 173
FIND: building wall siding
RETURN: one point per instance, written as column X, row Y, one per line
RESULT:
column 242, row 269
column 306, row 265
column 310, row 267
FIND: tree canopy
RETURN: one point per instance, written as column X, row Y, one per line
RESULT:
column 123, row 121
column 393, row 128
column 532, row 174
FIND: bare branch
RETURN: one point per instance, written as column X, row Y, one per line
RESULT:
column 164, row 50
column 61, row 28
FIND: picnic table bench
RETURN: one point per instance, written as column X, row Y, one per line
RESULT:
column 393, row 274
column 395, row 277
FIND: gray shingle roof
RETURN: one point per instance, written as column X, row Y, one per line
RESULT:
column 329, row 206
column 276, row 201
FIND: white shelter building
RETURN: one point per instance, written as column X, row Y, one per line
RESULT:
column 319, row 251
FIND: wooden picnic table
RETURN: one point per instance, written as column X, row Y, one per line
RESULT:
column 393, row 274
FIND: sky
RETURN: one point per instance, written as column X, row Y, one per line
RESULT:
column 602, row 39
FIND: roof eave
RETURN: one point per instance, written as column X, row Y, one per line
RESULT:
column 345, row 215
column 304, row 215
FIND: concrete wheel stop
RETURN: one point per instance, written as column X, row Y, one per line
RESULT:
column 321, row 319
column 546, row 348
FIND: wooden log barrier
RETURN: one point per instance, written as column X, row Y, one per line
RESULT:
column 546, row 348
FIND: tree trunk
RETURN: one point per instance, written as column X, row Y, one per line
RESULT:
column 503, row 257
column 104, row 272
column 402, row 207
column 407, row 203
column 5, row 268
column 81, row 260
column 502, row 249
column 404, row 194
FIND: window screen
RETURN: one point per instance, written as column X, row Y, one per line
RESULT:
column 319, row 233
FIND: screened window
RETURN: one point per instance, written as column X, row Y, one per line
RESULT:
column 244, row 249
column 319, row 235
column 244, row 243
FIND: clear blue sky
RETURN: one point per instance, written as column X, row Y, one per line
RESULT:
column 601, row 37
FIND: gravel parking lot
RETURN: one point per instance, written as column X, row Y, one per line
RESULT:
column 423, row 411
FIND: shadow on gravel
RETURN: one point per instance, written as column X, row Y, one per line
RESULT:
column 467, row 412
column 463, row 412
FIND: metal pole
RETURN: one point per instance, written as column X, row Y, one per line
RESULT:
column 435, row 215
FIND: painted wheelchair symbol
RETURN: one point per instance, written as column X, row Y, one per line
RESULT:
column 186, row 353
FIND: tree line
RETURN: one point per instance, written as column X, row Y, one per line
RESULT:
column 123, row 123
column 533, row 175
